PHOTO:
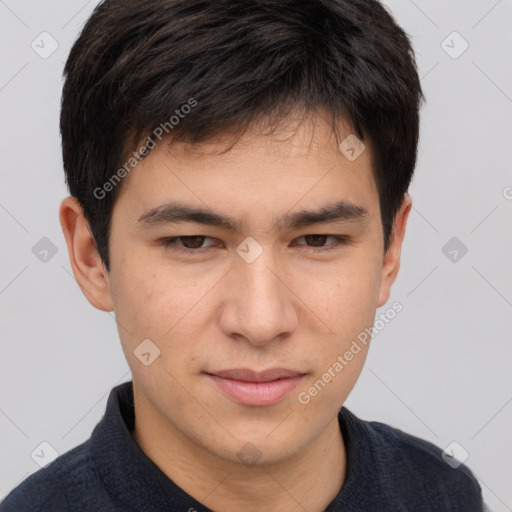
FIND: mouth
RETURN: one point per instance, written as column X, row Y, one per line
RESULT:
column 256, row 389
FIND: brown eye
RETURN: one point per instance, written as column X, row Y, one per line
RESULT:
column 191, row 243
column 317, row 242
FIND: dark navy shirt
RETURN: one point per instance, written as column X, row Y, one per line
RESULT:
column 387, row 470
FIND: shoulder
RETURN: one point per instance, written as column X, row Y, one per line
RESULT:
column 416, row 455
column 414, row 469
column 56, row 486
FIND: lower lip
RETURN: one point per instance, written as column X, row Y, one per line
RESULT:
column 256, row 393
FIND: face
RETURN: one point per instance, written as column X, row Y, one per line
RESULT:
column 252, row 287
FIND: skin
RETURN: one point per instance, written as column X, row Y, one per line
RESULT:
column 291, row 308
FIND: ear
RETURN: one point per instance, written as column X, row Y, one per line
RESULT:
column 391, row 262
column 90, row 272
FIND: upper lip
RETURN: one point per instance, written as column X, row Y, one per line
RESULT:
column 248, row 375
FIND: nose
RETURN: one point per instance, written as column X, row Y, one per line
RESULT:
column 259, row 304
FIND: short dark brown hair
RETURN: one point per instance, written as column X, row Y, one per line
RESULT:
column 138, row 63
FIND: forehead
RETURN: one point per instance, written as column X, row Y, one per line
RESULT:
column 300, row 162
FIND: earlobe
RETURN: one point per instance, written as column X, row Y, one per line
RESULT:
column 391, row 262
column 90, row 272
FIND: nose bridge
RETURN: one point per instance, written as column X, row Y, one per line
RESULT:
column 261, row 304
column 261, row 282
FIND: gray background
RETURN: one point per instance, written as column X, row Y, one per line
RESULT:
column 439, row 370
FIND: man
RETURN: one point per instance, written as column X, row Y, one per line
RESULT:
column 238, row 175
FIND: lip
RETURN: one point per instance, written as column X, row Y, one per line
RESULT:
column 257, row 389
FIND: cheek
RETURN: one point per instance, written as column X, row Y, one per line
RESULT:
column 143, row 304
column 146, row 298
column 346, row 302
column 347, row 299
column 164, row 308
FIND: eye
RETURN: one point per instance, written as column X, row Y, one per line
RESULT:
column 192, row 243
column 319, row 240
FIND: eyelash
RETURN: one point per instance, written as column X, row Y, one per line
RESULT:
column 172, row 242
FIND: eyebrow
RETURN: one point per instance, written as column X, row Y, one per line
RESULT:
column 176, row 212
